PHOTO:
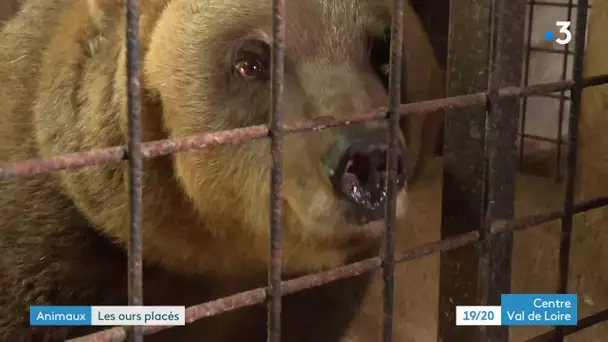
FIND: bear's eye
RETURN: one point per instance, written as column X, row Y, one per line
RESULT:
column 249, row 69
column 252, row 61
column 379, row 56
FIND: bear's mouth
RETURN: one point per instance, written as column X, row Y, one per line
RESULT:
column 366, row 200
column 356, row 166
column 363, row 189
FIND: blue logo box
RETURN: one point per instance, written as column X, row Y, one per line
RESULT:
column 60, row 315
column 539, row 309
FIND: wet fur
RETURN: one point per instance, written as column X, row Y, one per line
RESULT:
column 63, row 235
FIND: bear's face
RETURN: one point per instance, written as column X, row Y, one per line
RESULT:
column 206, row 67
column 216, row 76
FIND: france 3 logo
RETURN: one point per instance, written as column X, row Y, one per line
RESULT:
column 564, row 30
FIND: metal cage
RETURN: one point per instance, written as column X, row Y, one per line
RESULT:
column 476, row 233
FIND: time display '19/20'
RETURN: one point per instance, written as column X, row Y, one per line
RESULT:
column 478, row 315
column 564, row 29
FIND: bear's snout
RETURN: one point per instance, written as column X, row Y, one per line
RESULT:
column 356, row 165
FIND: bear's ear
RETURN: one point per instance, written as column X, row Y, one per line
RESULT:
column 422, row 80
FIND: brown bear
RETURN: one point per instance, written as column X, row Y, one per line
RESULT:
column 205, row 68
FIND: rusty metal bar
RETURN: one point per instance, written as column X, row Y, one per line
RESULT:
column 582, row 324
column 256, row 296
column 575, row 108
column 394, row 100
column 566, row 52
column 464, row 167
column 554, row 96
column 507, row 50
column 524, row 111
column 562, row 102
column 276, row 172
column 554, row 4
column 480, row 161
column 549, row 50
column 135, row 161
column 541, row 138
column 165, row 147
column 534, row 220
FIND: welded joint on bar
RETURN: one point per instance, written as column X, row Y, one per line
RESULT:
column 499, row 226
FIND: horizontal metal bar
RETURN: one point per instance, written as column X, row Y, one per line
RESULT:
column 554, row 4
column 158, row 148
column 541, row 138
column 259, row 295
column 558, row 96
column 563, row 51
column 582, row 324
column 534, row 220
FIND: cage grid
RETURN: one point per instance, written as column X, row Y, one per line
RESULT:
column 493, row 106
column 558, row 141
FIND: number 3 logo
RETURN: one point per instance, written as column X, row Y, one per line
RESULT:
column 563, row 28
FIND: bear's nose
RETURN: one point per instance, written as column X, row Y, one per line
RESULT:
column 356, row 165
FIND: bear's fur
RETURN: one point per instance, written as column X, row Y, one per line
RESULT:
column 205, row 213
column 8, row 8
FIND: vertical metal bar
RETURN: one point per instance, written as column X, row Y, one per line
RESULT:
column 276, row 173
column 562, row 100
column 500, row 155
column 575, row 106
column 526, row 81
column 135, row 161
column 394, row 100
column 480, row 160
column 467, row 72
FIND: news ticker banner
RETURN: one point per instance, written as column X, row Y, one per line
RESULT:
column 107, row 315
column 523, row 309
column 515, row 309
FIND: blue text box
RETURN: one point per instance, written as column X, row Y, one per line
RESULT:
column 539, row 309
column 60, row 315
